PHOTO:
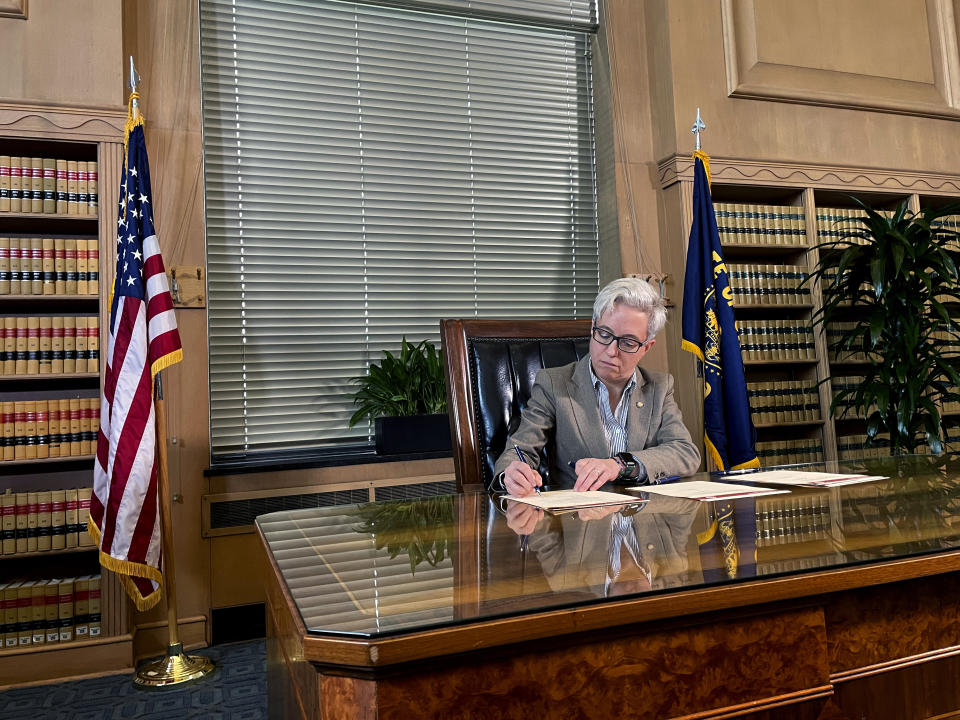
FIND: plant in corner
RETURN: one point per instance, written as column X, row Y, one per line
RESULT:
column 405, row 396
column 897, row 278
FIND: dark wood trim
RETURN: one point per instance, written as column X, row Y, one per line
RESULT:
column 379, row 652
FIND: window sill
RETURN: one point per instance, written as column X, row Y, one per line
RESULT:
column 285, row 460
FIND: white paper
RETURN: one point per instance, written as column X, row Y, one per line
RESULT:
column 574, row 500
column 706, row 490
column 800, row 478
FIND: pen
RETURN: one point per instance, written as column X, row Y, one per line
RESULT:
column 523, row 460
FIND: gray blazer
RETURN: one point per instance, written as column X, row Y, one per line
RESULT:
column 562, row 412
column 574, row 553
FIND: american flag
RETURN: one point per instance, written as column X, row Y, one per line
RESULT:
column 124, row 510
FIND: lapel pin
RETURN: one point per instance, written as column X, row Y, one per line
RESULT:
column 639, row 404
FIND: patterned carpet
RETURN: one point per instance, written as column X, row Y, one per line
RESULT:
column 237, row 690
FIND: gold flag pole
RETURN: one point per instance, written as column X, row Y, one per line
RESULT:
column 176, row 668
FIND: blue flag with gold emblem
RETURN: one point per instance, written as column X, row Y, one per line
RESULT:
column 710, row 333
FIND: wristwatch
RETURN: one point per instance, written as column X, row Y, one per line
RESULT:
column 628, row 466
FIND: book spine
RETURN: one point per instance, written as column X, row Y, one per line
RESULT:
column 76, row 437
column 44, row 520
column 93, row 344
column 9, row 436
column 49, row 276
column 50, row 606
column 93, row 188
column 36, row 185
column 82, row 266
column 16, row 184
column 59, row 266
column 81, row 607
column 93, row 266
column 21, row 512
column 64, row 413
column 69, row 344
column 37, row 612
column 70, row 264
column 24, row 614
column 14, row 255
column 33, row 507
column 72, row 191
column 56, row 345
column 80, row 343
column 83, row 515
column 53, row 428
column 93, row 607
column 10, row 615
column 4, row 183
column 65, row 610
column 43, row 429
column 8, row 523
column 9, row 345
column 19, row 423
column 82, row 186
column 45, row 358
column 62, row 206
column 71, row 518
column 49, row 185
column 58, row 519
column 33, row 345
column 4, row 266
column 86, row 427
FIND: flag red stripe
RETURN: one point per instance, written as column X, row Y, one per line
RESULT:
column 127, row 446
column 140, row 542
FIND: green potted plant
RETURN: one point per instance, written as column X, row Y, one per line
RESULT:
column 897, row 278
column 405, row 396
column 422, row 528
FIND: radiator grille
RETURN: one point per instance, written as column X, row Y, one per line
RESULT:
column 235, row 513
column 420, row 490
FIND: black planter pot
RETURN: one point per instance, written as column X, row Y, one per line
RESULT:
column 412, row 434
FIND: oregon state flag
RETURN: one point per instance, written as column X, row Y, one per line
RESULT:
column 709, row 332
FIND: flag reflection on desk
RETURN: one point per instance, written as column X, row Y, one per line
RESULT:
column 728, row 547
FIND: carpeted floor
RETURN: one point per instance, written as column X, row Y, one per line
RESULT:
column 237, row 690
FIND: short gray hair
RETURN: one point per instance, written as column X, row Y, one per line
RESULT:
column 635, row 293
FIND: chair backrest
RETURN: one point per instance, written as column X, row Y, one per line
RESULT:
column 490, row 368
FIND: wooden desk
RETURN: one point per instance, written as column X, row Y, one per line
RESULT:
column 488, row 632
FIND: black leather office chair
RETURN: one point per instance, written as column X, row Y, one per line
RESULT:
column 490, row 368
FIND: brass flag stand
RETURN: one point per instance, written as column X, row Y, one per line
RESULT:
column 176, row 668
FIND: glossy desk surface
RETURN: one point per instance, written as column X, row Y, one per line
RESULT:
column 389, row 569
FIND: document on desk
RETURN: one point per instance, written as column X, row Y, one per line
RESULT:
column 563, row 500
column 800, row 478
column 706, row 491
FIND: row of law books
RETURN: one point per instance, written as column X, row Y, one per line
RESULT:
column 748, row 224
column 789, row 452
column 845, row 407
column 843, row 224
column 49, row 345
column 41, row 612
column 775, row 567
column 781, row 401
column 49, row 266
column 841, row 347
column 793, row 518
column 776, row 340
column 39, row 429
column 48, row 185
column 38, row 521
column 855, row 447
column 762, row 284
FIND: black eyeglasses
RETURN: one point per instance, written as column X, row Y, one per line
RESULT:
column 626, row 344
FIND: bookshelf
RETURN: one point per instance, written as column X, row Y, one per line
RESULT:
column 50, row 378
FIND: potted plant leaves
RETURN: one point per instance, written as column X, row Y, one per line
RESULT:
column 897, row 278
column 405, row 397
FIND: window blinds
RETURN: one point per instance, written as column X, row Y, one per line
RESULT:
column 370, row 170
